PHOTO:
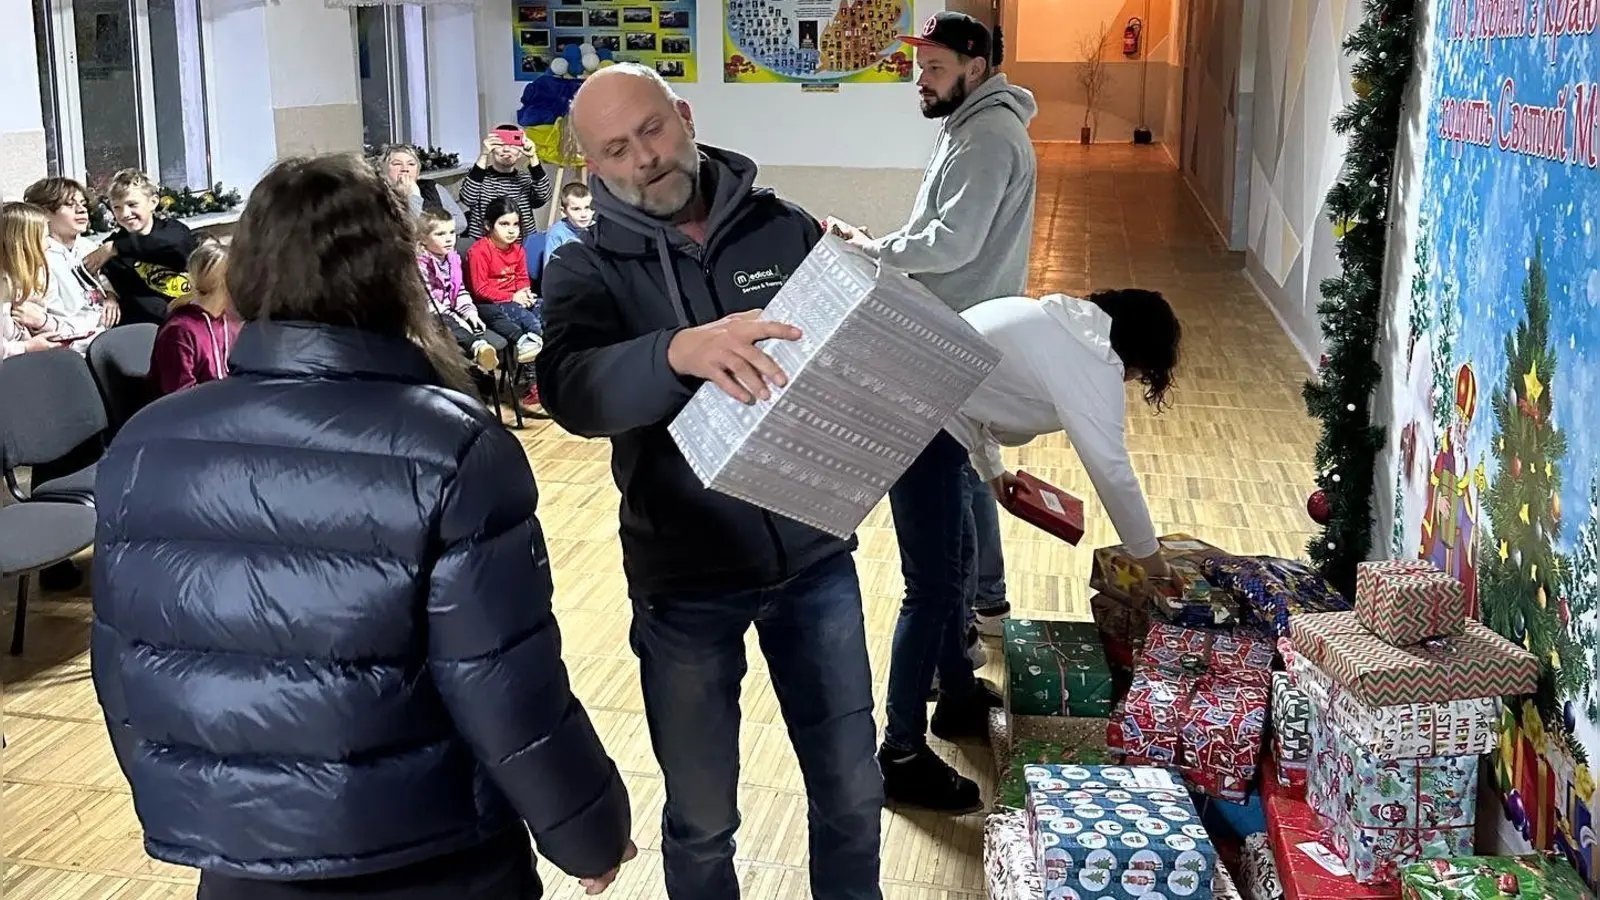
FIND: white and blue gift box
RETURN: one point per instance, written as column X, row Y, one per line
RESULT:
column 1123, row 832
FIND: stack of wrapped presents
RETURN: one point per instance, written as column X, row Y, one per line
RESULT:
column 1244, row 722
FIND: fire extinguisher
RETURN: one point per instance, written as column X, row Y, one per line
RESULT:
column 1130, row 37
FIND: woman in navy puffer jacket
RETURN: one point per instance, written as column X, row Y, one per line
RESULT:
column 323, row 638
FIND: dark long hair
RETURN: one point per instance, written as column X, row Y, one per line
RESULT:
column 1146, row 335
column 325, row 240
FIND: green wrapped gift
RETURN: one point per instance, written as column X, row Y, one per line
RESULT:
column 1012, row 791
column 1056, row 669
column 1534, row 877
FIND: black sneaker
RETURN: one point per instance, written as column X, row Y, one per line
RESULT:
column 967, row 717
column 920, row 778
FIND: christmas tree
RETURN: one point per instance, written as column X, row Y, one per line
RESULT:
column 1521, row 573
column 1577, row 603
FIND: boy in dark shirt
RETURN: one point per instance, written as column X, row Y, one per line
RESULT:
column 146, row 259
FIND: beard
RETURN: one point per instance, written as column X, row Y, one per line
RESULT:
column 667, row 193
column 936, row 107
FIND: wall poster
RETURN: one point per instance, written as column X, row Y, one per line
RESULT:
column 1497, row 412
column 656, row 33
column 815, row 41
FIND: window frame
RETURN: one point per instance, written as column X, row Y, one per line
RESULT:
column 405, row 73
column 66, row 109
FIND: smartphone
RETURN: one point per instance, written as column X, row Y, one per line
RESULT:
column 68, row 338
column 511, row 137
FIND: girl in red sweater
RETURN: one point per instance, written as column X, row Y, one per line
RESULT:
column 497, row 279
column 497, row 276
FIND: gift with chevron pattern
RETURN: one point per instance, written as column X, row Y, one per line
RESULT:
column 1407, row 601
column 1476, row 663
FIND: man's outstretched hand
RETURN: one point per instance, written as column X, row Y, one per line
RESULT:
column 599, row 885
column 724, row 352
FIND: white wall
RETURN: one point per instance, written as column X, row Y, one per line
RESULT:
column 239, row 92
column 864, row 125
column 21, row 122
column 1302, row 79
column 453, row 79
column 313, row 54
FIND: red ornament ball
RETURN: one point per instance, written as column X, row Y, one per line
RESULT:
column 1318, row 507
column 1516, row 467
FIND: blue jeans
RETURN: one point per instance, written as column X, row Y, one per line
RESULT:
column 991, row 587
column 511, row 321
column 934, row 524
column 692, row 657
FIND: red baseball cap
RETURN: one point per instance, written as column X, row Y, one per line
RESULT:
column 953, row 31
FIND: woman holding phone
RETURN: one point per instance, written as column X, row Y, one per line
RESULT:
column 508, row 167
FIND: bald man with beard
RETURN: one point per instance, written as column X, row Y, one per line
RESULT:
column 659, row 297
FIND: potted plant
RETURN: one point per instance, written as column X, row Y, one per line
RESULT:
column 1094, row 73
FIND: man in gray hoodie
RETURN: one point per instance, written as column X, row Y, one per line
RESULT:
column 967, row 241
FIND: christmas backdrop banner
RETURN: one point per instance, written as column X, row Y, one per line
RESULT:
column 1497, row 418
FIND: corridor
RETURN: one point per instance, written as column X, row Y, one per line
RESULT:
column 1228, row 463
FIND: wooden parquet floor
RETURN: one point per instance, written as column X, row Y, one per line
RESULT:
column 1230, row 462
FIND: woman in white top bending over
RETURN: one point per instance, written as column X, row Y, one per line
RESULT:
column 1065, row 362
column 85, row 302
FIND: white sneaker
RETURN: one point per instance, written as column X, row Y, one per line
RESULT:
column 485, row 356
column 528, row 347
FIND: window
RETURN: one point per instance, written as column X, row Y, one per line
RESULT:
column 391, row 60
column 122, row 86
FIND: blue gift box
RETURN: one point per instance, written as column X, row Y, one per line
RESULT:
column 1125, row 832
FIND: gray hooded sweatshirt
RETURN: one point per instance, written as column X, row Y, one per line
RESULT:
column 971, row 226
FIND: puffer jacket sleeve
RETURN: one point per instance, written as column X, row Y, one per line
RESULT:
column 495, row 655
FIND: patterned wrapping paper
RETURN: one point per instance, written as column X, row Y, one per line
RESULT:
column 1274, row 590
column 881, row 365
column 1036, row 740
column 1307, row 869
column 1407, row 601
column 1123, row 625
column 1222, row 886
column 1198, row 702
column 1379, row 815
column 1478, row 663
column 1291, row 723
column 1117, row 832
column 1259, row 872
column 1404, row 731
column 1116, row 573
column 1056, row 669
column 1534, row 877
column 1009, row 863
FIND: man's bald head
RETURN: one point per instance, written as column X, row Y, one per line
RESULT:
column 638, row 136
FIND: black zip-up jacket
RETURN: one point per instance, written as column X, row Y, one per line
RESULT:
column 613, row 301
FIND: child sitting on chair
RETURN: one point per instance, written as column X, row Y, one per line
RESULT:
column 193, row 344
column 447, row 293
column 577, row 214
column 147, row 257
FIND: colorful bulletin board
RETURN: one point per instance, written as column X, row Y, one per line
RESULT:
column 815, row 41
column 658, row 34
column 1496, row 419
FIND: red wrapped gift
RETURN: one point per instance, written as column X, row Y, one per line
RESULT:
column 1046, row 507
column 1198, row 702
column 1308, row 869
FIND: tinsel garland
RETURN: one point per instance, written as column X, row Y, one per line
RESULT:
column 1352, row 301
column 178, row 204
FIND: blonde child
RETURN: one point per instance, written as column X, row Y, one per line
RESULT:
column 25, row 326
column 440, row 265
column 147, row 258
column 193, row 344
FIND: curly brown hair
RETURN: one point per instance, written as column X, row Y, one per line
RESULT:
column 1146, row 335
